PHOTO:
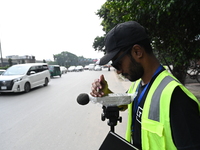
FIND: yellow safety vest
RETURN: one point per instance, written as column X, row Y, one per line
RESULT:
column 155, row 122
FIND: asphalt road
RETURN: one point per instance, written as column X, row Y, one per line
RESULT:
column 49, row 118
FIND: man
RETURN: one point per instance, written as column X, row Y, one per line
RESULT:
column 164, row 114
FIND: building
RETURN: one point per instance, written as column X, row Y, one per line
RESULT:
column 18, row 59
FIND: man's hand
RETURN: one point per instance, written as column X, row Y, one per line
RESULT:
column 100, row 87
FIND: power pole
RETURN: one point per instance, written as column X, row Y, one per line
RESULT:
column 1, row 55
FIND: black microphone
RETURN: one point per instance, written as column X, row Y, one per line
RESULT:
column 83, row 99
column 110, row 100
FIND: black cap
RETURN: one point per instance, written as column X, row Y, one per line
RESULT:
column 121, row 36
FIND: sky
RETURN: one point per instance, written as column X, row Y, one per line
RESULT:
column 42, row 28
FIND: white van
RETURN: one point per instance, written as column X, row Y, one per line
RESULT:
column 23, row 77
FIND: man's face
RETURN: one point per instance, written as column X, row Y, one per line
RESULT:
column 135, row 70
column 125, row 64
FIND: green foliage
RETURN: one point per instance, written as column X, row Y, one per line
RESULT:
column 68, row 59
column 6, row 67
column 52, row 63
column 173, row 26
column 65, row 59
column 10, row 62
column 98, row 43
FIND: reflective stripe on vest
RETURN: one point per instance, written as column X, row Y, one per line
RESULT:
column 156, row 131
column 154, row 112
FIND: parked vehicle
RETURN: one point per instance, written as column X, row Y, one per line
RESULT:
column 79, row 68
column 91, row 66
column 55, row 70
column 86, row 67
column 24, row 77
column 97, row 68
column 2, row 71
column 71, row 69
column 63, row 69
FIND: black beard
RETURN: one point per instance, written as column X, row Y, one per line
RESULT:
column 136, row 71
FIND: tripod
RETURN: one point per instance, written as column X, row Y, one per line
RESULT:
column 111, row 113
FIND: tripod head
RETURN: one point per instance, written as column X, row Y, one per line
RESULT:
column 111, row 113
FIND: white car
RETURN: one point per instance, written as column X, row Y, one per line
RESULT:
column 24, row 77
column 91, row 66
column 79, row 68
column 63, row 69
column 97, row 68
column 86, row 67
column 71, row 68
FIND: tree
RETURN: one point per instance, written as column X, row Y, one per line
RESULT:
column 99, row 43
column 52, row 63
column 68, row 59
column 10, row 62
column 173, row 27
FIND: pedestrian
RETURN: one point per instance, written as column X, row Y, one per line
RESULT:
column 164, row 115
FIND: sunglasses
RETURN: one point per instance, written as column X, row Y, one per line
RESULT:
column 116, row 63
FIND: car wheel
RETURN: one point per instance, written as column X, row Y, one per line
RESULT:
column 27, row 87
column 46, row 81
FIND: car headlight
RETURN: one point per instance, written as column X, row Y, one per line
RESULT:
column 17, row 79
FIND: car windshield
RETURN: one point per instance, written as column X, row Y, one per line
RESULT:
column 16, row 70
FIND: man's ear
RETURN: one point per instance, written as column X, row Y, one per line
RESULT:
column 137, row 51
